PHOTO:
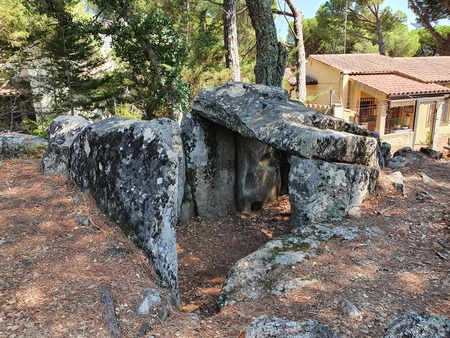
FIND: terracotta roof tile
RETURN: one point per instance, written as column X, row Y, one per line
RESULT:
column 392, row 84
column 427, row 69
column 357, row 63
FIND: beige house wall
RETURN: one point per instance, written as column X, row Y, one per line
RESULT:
column 328, row 79
column 349, row 93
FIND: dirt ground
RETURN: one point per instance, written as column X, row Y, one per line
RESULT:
column 54, row 265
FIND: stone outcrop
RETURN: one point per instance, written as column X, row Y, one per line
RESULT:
column 418, row 325
column 243, row 166
column 269, row 269
column 17, row 144
column 264, row 327
column 240, row 141
column 63, row 131
column 135, row 171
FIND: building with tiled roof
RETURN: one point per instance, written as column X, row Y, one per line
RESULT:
column 382, row 92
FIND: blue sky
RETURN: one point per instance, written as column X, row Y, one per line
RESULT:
column 309, row 8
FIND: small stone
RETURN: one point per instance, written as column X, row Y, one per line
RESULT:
column 354, row 213
column 402, row 151
column 418, row 325
column 151, row 299
column 397, row 162
column 82, row 220
column 263, row 327
column 426, row 179
column 350, row 310
column 397, row 179
column 437, row 155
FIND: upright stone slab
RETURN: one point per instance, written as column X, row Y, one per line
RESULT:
column 210, row 167
column 322, row 191
column 63, row 131
column 135, row 171
column 258, row 174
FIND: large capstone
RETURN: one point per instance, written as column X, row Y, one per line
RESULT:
column 63, row 131
column 267, row 114
column 135, row 171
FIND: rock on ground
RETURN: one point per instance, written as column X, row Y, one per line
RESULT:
column 263, row 327
column 269, row 269
column 17, row 144
column 323, row 191
column 418, row 325
column 63, row 131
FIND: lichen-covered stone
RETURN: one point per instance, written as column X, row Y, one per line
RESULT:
column 418, row 325
column 263, row 327
column 17, row 144
column 135, row 170
column 239, row 168
column 150, row 300
column 322, row 191
column 210, row 167
column 269, row 269
column 248, row 278
column 258, row 174
column 267, row 114
column 63, row 131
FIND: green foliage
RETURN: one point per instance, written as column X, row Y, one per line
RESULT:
column 151, row 52
column 69, row 57
column 428, row 13
column 128, row 111
column 39, row 128
column 401, row 42
column 362, row 33
column 430, row 10
column 429, row 46
column 14, row 27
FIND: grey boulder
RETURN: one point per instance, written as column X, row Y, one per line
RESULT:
column 418, row 325
column 135, row 171
column 63, row 131
column 17, row 144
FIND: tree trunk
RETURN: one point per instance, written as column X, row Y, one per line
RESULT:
column 424, row 19
column 301, row 58
column 376, row 12
column 231, row 39
column 270, row 54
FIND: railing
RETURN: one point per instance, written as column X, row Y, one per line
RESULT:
column 321, row 108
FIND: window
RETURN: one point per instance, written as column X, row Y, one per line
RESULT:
column 367, row 113
column 399, row 117
column 431, row 113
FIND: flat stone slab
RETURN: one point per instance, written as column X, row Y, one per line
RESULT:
column 267, row 114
